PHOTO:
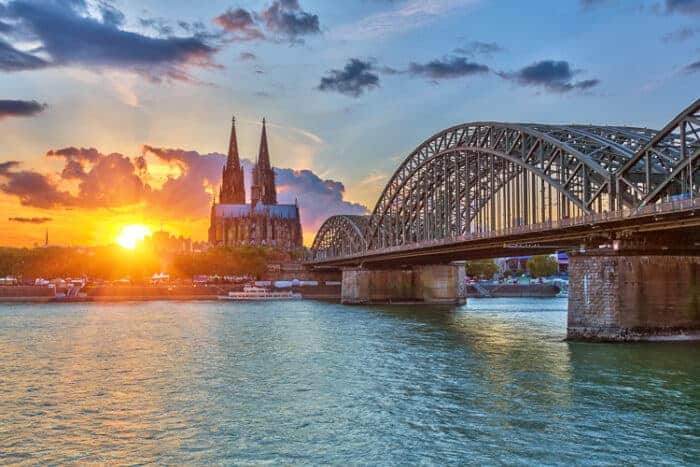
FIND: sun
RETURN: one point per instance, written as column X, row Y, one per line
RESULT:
column 131, row 235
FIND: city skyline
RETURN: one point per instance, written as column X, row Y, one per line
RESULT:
column 101, row 136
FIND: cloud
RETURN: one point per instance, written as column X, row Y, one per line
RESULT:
column 587, row 4
column 287, row 19
column 283, row 20
column 475, row 48
column 240, row 24
column 357, row 77
column 159, row 25
column 69, row 36
column 318, row 199
column 30, row 220
column 693, row 67
column 32, row 188
column 110, row 15
column 12, row 59
column 681, row 35
column 553, row 76
column 188, row 193
column 408, row 15
column 105, row 180
column 117, row 181
column 6, row 166
column 447, row 68
column 246, row 56
column 684, row 7
column 16, row 108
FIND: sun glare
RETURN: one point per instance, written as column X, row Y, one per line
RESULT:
column 131, row 235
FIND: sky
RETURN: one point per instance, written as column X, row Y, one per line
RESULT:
column 114, row 112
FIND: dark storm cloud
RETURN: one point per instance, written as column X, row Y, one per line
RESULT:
column 475, row 48
column 684, row 7
column 447, row 68
column 553, row 76
column 17, row 108
column 69, row 36
column 357, row 77
column 30, row 220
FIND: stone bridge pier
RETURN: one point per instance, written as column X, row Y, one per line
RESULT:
column 621, row 296
column 436, row 284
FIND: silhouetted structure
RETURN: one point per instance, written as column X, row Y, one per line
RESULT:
column 263, row 222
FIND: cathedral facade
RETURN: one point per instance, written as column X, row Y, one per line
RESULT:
column 262, row 222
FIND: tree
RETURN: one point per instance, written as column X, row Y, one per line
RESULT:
column 542, row 265
column 484, row 268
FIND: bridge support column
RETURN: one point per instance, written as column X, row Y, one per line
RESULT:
column 618, row 297
column 427, row 284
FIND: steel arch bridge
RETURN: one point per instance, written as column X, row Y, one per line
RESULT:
column 485, row 177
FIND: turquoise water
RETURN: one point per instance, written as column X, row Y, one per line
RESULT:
column 316, row 383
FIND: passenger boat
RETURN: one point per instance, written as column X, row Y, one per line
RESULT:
column 252, row 293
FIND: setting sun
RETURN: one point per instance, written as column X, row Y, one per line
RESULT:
column 131, row 235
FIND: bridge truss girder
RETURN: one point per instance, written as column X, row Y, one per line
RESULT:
column 486, row 176
column 339, row 236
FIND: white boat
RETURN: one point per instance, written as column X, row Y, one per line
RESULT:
column 252, row 293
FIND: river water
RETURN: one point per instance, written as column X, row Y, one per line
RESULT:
column 310, row 382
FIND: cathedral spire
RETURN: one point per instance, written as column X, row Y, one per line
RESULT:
column 232, row 189
column 264, row 153
column 233, row 159
column 263, row 189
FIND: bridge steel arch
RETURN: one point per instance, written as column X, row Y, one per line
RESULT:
column 340, row 236
column 487, row 176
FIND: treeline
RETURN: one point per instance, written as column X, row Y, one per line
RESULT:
column 112, row 262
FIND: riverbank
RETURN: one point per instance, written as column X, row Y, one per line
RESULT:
column 102, row 294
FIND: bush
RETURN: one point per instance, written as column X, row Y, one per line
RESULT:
column 484, row 268
column 542, row 266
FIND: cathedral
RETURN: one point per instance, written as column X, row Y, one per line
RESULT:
column 263, row 222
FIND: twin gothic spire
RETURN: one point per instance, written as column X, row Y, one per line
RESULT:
column 263, row 189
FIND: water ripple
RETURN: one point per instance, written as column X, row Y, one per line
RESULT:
column 315, row 383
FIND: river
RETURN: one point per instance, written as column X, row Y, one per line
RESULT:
column 317, row 383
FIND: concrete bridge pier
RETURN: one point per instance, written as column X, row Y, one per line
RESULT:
column 614, row 296
column 441, row 284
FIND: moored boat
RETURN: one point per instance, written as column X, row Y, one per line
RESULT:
column 253, row 293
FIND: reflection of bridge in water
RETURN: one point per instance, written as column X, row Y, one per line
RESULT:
column 489, row 189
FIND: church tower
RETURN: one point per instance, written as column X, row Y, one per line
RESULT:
column 263, row 189
column 232, row 188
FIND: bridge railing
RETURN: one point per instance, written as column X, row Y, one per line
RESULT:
column 677, row 205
